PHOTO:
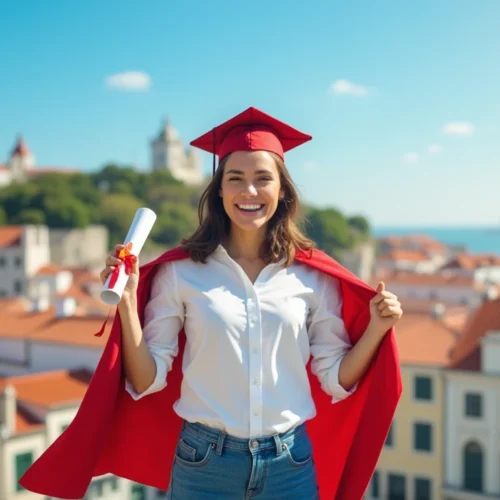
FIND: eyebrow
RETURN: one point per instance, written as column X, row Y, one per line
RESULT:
column 240, row 172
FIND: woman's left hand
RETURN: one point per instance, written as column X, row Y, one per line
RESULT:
column 385, row 311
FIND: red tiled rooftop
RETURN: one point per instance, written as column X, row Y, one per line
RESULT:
column 406, row 255
column 437, row 279
column 424, row 340
column 10, row 236
column 49, row 270
column 49, row 389
column 466, row 353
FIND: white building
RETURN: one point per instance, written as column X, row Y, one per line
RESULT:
column 168, row 153
column 445, row 288
column 472, row 430
column 34, row 411
column 23, row 251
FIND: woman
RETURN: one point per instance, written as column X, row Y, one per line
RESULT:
column 252, row 317
column 254, row 302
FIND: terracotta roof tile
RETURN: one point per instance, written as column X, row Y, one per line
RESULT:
column 26, row 422
column 423, row 340
column 484, row 320
column 49, row 270
column 74, row 331
column 46, row 327
column 423, row 241
column 50, row 389
column 471, row 262
column 21, row 148
column 406, row 255
column 10, row 236
column 437, row 279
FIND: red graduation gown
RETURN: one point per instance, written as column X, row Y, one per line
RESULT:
column 112, row 433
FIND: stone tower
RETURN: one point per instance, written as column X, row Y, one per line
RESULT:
column 168, row 152
column 21, row 160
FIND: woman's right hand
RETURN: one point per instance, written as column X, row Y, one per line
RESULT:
column 130, row 291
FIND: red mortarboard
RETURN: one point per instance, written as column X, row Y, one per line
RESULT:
column 251, row 130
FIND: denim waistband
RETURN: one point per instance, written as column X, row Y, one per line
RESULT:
column 221, row 438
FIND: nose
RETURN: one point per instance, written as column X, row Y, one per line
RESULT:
column 249, row 189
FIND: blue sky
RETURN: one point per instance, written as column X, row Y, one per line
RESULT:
column 402, row 98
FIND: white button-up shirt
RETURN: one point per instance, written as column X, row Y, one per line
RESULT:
column 247, row 344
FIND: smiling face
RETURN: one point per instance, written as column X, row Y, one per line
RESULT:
column 250, row 190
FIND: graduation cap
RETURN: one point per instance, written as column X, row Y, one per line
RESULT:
column 251, row 130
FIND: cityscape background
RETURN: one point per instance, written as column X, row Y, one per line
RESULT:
column 400, row 184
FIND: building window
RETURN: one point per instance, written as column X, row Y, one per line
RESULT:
column 2, row 261
column 138, row 492
column 389, row 441
column 114, row 483
column 3, row 293
column 396, row 487
column 473, row 467
column 422, row 437
column 97, row 488
column 422, row 489
column 423, row 388
column 23, row 463
column 18, row 287
column 18, row 261
column 473, row 405
column 374, row 485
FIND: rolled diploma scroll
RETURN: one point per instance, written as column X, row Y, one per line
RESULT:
column 138, row 232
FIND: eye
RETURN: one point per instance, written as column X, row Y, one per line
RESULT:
column 234, row 178
column 265, row 179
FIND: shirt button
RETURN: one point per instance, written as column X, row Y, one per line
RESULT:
column 254, row 443
column 255, row 350
column 255, row 413
column 256, row 382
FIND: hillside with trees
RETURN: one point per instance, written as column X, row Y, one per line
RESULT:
column 111, row 196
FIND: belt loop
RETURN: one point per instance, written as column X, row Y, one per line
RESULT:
column 279, row 446
column 220, row 443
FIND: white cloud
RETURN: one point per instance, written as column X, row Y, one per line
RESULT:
column 349, row 88
column 458, row 128
column 434, row 148
column 129, row 80
column 410, row 157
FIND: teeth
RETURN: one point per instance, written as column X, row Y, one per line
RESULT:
column 249, row 207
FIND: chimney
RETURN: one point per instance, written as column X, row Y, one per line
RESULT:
column 8, row 411
column 438, row 311
column 65, row 307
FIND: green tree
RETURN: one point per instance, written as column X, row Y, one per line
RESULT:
column 360, row 223
column 329, row 229
column 64, row 211
column 30, row 216
column 115, row 179
column 174, row 222
column 3, row 216
column 18, row 197
column 117, row 213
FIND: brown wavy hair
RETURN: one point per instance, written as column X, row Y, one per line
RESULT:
column 283, row 236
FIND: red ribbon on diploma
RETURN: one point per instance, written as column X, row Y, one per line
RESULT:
column 128, row 260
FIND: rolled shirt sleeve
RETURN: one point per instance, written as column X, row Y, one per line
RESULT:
column 163, row 320
column 329, row 340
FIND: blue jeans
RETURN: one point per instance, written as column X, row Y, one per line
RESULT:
column 210, row 464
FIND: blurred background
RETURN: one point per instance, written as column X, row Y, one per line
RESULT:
column 98, row 104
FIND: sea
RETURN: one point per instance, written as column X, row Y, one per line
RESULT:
column 474, row 240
